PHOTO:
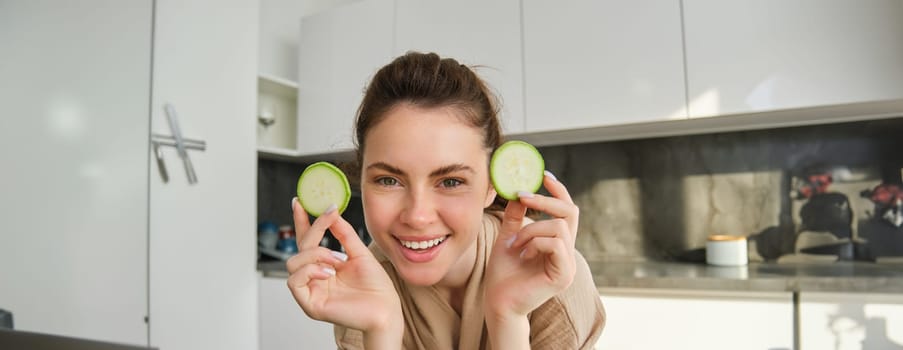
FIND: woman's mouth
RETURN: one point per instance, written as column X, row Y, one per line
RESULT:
column 423, row 250
column 418, row 245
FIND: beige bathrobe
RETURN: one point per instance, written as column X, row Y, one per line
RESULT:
column 571, row 320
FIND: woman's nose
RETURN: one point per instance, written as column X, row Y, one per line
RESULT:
column 420, row 210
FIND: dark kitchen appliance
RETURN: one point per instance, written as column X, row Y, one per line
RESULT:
column 826, row 217
column 884, row 229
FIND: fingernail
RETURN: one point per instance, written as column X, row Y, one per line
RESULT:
column 329, row 271
column 510, row 241
column 294, row 200
column 522, row 252
column 524, row 194
column 339, row 255
column 330, row 209
column 549, row 174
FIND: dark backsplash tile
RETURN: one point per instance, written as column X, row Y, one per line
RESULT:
column 660, row 198
column 276, row 186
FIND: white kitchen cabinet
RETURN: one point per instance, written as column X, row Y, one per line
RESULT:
column 597, row 63
column 95, row 245
column 75, row 88
column 851, row 321
column 673, row 319
column 202, row 276
column 283, row 325
column 483, row 35
column 753, row 55
column 339, row 51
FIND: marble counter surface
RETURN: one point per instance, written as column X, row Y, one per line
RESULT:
column 275, row 269
column 761, row 277
column 756, row 277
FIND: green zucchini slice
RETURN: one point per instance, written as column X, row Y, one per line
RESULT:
column 321, row 185
column 516, row 166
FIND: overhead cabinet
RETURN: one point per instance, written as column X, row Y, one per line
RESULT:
column 485, row 35
column 597, row 63
column 339, row 51
column 342, row 48
column 581, row 71
column 762, row 55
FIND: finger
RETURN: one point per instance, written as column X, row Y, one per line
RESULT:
column 302, row 223
column 314, row 234
column 300, row 283
column 347, row 236
column 560, row 266
column 512, row 221
column 307, row 273
column 544, row 228
column 313, row 256
column 556, row 188
column 555, row 207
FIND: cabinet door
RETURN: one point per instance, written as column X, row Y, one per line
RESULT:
column 283, row 325
column 595, row 63
column 483, row 34
column 848, row 321
column 75, row 88
column 668, row 319
column 203, row 281
column 759, row 55
column 339, row 51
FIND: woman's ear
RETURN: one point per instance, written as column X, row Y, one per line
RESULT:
column 490, row 197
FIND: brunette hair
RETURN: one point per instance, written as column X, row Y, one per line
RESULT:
column 428, row 81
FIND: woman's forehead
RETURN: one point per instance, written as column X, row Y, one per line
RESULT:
column 417, row 137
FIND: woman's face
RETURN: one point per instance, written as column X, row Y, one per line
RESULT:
column 424, row 184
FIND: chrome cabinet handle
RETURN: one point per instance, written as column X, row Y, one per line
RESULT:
column 179, row 142
column 161, row 165
column 164, row 140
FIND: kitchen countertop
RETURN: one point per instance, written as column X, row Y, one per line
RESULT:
column 757, row 277
column 859, row 277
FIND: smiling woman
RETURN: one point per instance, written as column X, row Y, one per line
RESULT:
column 452, row 265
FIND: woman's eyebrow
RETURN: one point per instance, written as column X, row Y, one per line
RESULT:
column 386, row 167
column 448, row 169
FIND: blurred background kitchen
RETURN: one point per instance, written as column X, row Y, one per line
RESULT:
column 151, row 149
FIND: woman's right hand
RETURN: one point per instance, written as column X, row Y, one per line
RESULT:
column 354, row 290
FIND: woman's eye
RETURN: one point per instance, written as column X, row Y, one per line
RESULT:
column 387, row 181
column 451, row 183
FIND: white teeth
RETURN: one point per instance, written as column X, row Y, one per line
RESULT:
column 422, row 244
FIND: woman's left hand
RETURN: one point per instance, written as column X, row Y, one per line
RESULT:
column 532, row 263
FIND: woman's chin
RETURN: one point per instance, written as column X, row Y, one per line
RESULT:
column 419, row 275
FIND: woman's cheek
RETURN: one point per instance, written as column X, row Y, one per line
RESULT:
column 459, row 208
column 378, row 211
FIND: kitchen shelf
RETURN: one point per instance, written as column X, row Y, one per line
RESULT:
column 277, row 86
column 277, row 152
column 277, row 116
column 274, row 253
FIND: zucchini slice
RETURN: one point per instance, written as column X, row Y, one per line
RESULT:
column 321, row 185
column 516, row 166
